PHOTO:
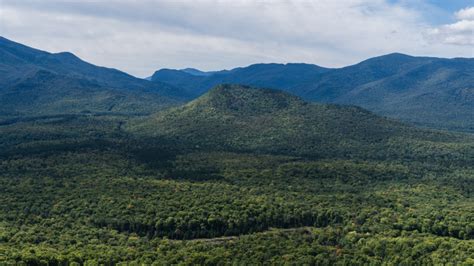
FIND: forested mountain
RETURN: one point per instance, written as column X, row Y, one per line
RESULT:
column 238, row 176
column 100, row 168
column 245, row 119
column 34, row 82
column 428, row 91
column 260, row 75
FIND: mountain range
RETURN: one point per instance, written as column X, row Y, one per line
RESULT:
column 427, row 91
column 34, row 82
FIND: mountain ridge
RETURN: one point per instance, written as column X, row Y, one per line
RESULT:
column 34, row 82
column 396, row 85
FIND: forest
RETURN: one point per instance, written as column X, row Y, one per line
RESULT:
column 205, row 184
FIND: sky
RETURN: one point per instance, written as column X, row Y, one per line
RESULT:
column 140, row 37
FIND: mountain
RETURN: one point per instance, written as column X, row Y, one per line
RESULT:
column 428, row 91
column 245, row 119
column 261, row 75
column 34, row 81
column 214, row 182
column 197, row 72
column 46, row 93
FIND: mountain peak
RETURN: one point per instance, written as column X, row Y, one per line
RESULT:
column 246, row 100
column 243, row 118
column 392, row 58
column 397, row 54
column 196, row 72
column 66, row 55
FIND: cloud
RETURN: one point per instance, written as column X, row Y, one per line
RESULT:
column 460, row 32
column 465, row 13
column 142, row 36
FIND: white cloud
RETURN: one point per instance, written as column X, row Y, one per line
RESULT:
column 460, row 32
column 465, row 13
column 142, row 36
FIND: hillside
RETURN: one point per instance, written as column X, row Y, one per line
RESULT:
column 433, row 92
column 246, row 119
column 34, row 81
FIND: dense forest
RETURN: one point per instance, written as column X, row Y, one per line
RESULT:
column 238, row 176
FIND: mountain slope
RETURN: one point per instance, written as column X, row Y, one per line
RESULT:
column 437, row 92
column 45, row 93
column 422, row 90
column 428, row 91
column 42, row 82
column 239, row 118
column 261, row 75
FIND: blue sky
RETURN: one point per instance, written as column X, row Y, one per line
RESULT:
column 448, row 5
column 451, row 5
column 142, row 36
column 446, row 11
